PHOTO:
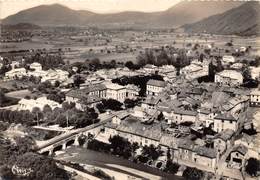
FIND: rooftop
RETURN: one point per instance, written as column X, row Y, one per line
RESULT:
column 226, row 116
column 157, row 83
column 207, row 152
column 240, row 148
column 226, row 134
column 134, row 126
column 231, row 74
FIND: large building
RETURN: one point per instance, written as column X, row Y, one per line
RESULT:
column 115, row 91
column 229, row 77
column 154, row 87
column 195, row 70
column 29, row 104
column 92, row 93
column 15, row 73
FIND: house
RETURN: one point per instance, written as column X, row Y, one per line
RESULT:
column 195, row 70
column 15, row 73
column 255, row 72
column 180, row 116
column 227, row 59
column 185, row 149
column 55, row 75
column 37, row 73
column 169, row 141
column 205, row 156
column 92, row 93
column 195, row 93
column 237, row 66
column 29, row 104
column 238, row 157
column 119, row 116
column 150, row 102
column 149, row 68
column 225, row 121
column 36, row 66
column 245, row 139
column 132, row 91
column 205, row 116
column 154, row 87
column 236, row 105
column 229, row 77
column 255, row 98
column 89, row 101
column 136, row 131
column 223, row 140
column 115, row 91
column 15, row 64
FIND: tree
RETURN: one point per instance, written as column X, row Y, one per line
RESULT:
column 2, row 98
column 151, row 152
column 130, row 103
column 257, row 61
column 112, row 104
column 82, row 140
column 246, row 73
column 47, row 109
column 36, row 111
column 130, row 65
column 66, row 105
column 160, row 117
column 121, row 146
column 253, row 167
column 192, row 174
column 58, row 97
column 24, row 144
column 171, row 167
column 78, row 80
column 230, row 43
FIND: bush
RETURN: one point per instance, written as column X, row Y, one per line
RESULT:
column 253, row 167
column 98, row 146
column 171, row 167
column 102, row 175
column 192, row 174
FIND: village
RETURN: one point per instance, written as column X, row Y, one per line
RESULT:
column 175, row 108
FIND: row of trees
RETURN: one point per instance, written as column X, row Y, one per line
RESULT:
column 68, row 115
column 17, row 117
column 94, row 65
column 163, row 58
column 47, row 61
column 118, row 146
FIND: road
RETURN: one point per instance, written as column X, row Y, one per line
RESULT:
column 85, row 156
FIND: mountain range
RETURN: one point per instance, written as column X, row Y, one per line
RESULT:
column 243, row 20
column 184, row 12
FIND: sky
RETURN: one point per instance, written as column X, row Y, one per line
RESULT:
column 9, row 7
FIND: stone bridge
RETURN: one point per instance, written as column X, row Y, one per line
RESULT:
column 68, row 138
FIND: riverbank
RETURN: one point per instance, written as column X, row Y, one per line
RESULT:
column 113, row 163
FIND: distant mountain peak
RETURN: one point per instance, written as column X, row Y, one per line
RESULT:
column 57, row 14
column 243, row 20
